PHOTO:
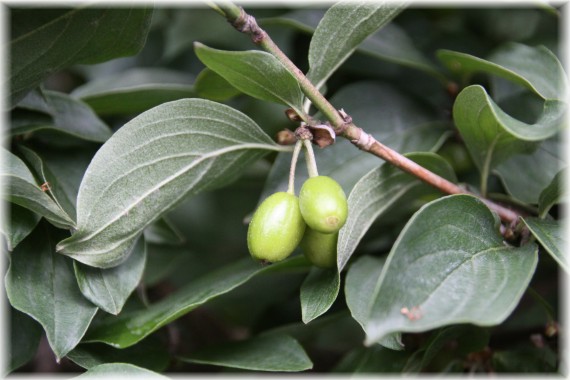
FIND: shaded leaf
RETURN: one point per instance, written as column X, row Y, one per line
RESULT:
column 110, row 288
column 449, row 265
column 151, row 164
column 256, row 73
column 550, row 234
column 377, row 192
column 119, row 370
column 526, row 359
column 41, row 284
column 213, row 86
column 70, row 116
column 43, row 43
column 263, row 353
column 554, row 193
column 25, row 334
column 135, row 90
column 129, row 328
column 375, row 359
column 20, row 223
column 344, row 26
column 318, row 292
column 151, row 354
column 163, row 231
column 24, row 191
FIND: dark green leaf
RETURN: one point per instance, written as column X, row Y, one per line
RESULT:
column 25, row 334
column 554, row 193
column 344, row 26
column 449, row 265
column 318, row 292
column 151, row 354
column 129, row 328
column 41, row 283
column 110, row 288
column 212, row 86
column 256, row 73
column 70, row 116
column 20, row 224
column 492, row 136
column 377, row 192
column 43, row 43
column 264, row 353
column 373, row 360
column 535, row 68
column 24, row 191
column 526, row 359
column 116, row 370
column 550, row 234
column 135, row 90
column 151, row 164
column 163, row 231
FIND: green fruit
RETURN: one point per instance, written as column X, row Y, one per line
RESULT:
column 319, row 248
column 276, row 228
column 323, row 204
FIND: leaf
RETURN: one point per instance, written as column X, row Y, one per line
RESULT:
column 151, row 164
column 255, row 73
column 119, row 370
column 24, row 191
column 163, row 231
column 135, row 90
column 344, row 26
column 358, row 289
column 378, row 192
column 318, row 292
column 535, row 68
column 263, row 353
column 375, row 359
column 212, row 86
column 43, row 43
column 492, row 136
column 21, row 223
column 554, row 193
column 151, row 354
column 110, row 288
column 448, row 266
column 129, row 328
column 526, row 359
column 41, row 284
column 539, row 169
column 70, row 116
column 25, row 334
column 551, row 236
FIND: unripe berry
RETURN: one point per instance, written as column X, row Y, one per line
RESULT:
column 319, row 248
column 276, row 228
column 323, row 204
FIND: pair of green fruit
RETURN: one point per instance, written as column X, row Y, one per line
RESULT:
column 283, row 221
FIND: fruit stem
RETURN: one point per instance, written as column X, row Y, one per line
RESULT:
column 310, row 158
column 296, row 151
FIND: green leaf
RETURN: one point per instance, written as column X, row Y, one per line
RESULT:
column 42, row 43
column 134, row 91
column 25, row 334
column 344, row 26
column 535, row 68
column 150, row 165
column 554, row 193
column 359, row 288
column 129, row 328
column 110, row 288
column 526, row 359
column 41, row 283
column 492, row 136
column 151, row 354
column 378, row 192
column 70, row 116
column 163, row 231
column 448, row 266
column 550, row 234
column 116, row 370
column 20, row 224
column 255, row 73
column 264, row 353
column 24, row 191
column 213, row 86
column 318, row 292
column 375, row 359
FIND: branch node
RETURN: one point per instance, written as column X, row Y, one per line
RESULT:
column 364, row 141
column 246, row 23
column 347, row 120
